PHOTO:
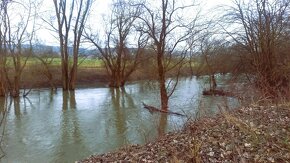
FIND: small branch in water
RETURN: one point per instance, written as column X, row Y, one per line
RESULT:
column 153, row 109
column 25, row 94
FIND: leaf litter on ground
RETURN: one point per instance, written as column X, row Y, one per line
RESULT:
column 248, row 134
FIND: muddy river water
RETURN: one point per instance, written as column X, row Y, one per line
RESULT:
column 52, row 126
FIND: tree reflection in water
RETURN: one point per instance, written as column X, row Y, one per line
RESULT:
column 16, row 103
column 70, row 133
column 64, row 127
column 5, row 105
column 122, row 103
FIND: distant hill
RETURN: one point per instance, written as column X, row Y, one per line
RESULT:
column 45, row 49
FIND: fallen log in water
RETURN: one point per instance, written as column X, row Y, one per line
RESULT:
column 153, row 109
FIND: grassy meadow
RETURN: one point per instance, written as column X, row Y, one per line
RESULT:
column 45, row 71
column 56, row 61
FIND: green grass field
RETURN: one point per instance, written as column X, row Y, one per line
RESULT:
column 83, row 63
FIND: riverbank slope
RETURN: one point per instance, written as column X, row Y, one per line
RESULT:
column 248, row 134
column 35, row 77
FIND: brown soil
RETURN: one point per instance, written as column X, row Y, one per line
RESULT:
column 249, row 134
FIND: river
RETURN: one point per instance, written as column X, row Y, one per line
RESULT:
column 52, row 126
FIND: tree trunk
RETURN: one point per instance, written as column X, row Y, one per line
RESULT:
column 163, row 91
column 73, row 77
column 72, row 81
column 2, row 82
column 72, row 100
column 2, row 86
column 2, row 89
column 164, row 96
column 65, row 75
column 112, row 79
column 65, row 95
column 16, row 103
column 16, row 88
column 122, row 84
column 213, row 82
column 118, row 80
column 162, row 125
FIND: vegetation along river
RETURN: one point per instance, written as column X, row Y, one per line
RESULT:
column 52, row 126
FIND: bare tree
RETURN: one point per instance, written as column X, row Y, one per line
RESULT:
column 46, row 58
column 259, row 27
column 13, row 36
column 213, row 48
column 3, row 30
column 71, row 18
column 120, row 60
column 168, row 31
column 207, row 50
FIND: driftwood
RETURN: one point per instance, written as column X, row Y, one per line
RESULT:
column 153, row 109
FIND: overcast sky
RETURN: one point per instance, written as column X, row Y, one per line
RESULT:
column 100, row 8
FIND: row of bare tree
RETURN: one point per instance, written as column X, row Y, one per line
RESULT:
column 17, row 30
column 131, row 22
column 12, row 38
column 256, row 32
column 252, row 38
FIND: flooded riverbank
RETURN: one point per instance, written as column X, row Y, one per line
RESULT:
column 64, row 127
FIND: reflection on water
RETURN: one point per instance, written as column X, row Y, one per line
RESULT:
column 56, row 126
column 16, row 102
column 68, row 100
column 69, row 131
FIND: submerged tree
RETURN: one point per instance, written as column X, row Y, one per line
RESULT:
column 207, row 49
column 168, row 32
column 71, row 18
column 260, row 27
column 3, row 30
column 119, row 59
column 213, row 50
column 14, row 34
